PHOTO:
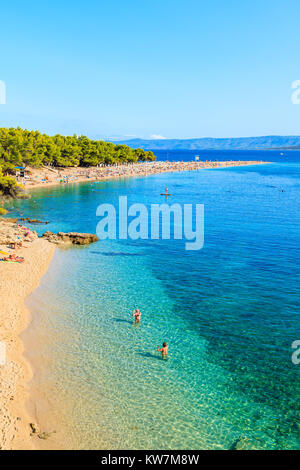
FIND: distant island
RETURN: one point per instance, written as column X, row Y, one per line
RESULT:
column 208, row 143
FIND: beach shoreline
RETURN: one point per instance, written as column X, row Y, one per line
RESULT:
column 18, row 281
column 49, row 177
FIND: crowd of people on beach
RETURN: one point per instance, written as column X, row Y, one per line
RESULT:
column 47, row 175
column 16, row 236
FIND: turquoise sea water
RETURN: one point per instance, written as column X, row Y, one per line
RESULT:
column 229, row 313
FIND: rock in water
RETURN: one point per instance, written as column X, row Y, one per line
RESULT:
column 71, row 237
column 246, row 443
column 34, row 221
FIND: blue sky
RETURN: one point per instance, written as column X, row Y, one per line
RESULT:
column 177, row 69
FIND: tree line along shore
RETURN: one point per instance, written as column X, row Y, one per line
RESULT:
column 23, row 148
column 31, row 148
column 53, row 159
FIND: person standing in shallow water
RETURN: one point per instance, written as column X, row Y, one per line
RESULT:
column 163, row 350
column 137, row 316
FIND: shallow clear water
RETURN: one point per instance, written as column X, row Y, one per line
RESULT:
column 229, row 313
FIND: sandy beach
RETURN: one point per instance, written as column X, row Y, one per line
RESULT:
column 48, row 176
column 17, row 281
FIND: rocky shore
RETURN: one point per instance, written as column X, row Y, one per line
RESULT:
column 11, row 232
column 70, row 238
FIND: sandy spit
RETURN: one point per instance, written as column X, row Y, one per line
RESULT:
column 46, row 176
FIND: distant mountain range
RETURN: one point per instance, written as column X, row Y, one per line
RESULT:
column 207, row 143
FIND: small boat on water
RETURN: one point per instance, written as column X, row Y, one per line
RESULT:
column 166, row 193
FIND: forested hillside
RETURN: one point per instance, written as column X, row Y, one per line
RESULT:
column 21, row 147
column 238, row 143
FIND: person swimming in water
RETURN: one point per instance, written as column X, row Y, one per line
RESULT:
column 163, row 350
column 137, row 316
